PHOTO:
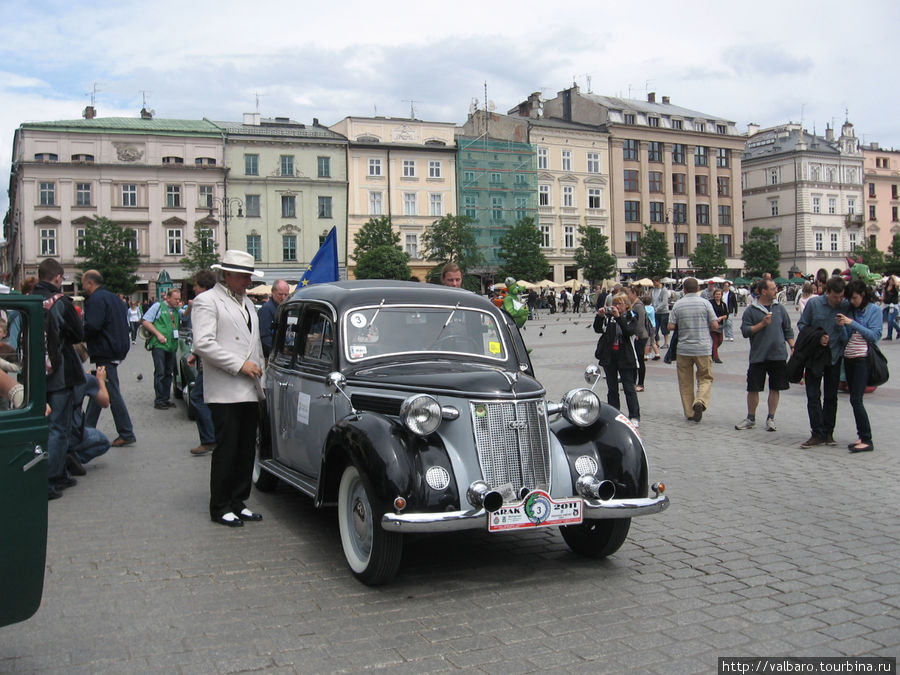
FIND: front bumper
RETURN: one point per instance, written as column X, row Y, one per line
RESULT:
column 474, row 519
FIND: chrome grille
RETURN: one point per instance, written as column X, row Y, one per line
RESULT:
column 512, row 442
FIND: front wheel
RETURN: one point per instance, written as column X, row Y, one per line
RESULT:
column 372, row 554
column 596, row 538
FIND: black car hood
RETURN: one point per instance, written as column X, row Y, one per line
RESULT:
column 447, row 377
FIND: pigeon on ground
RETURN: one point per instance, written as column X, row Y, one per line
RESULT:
column 540, row 335
column 140, row 376
column 543, row 327
column 564, row 332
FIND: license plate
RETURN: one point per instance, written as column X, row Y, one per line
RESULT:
column 538, row 509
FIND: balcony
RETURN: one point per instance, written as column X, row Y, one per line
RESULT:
column 855, row 220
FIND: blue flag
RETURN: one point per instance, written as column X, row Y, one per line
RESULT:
column 324, row 265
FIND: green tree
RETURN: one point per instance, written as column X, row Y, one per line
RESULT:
column 520, row 250
column 653, row 254
column 871, row 256
column 708, row 259
column 452, row 239
column 383, row 262
column 201, row 253
column 892, row 260
column 761, row 253
column 110, row 249
column 376, row 232
column 592, row 255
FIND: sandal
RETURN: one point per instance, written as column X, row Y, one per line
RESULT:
column 862, row 447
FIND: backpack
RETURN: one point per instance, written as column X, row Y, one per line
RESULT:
column 53, row 357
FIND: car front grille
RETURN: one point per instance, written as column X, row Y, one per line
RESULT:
column 512, row 442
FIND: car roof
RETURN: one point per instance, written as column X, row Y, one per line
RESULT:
column 344, row 295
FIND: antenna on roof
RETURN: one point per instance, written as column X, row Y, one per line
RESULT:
column 256, row 94
column 412, row 107
column 93, row 94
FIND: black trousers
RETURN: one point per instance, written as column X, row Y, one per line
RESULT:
column 232, row 460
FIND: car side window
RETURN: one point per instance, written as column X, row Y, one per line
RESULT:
column 286, row 336
column 318, row 339
column 14, row 390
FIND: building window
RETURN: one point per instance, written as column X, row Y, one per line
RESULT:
column 409, row 204
column 630, row 149
column 679, row 153
column 288, row 206
column 496, row 177
column 173, row 196
column 289, row 247
column 725, row 241
column 832, row 205
column 287, row 165
column 819, row 240
column 82, row 194
column 894, row 214
column 852, row 237
column 129, row 194
column 568, row 193
column 653, row 121
column 543, row 195
column 629, row 118
column 851, row 206
column 816, row 205
column 773, row 207
column 724, row 214
column 723, row 157
column 679, row 214
column 829, row 174
column 703, row 214
column 48, row 194
column 251, row 165
column 566, row 160
column 657, row 212
column 323, row 165
column 173, row 241
column 569, row 236
column 655, row 181
column 521, row 208
column 632, row 212
column 871, row 212
column 773, row 176
column 204, row 161
column 48, row 241
column 435, row 170
column 468, row 178
column 324, row 207
column 721, row 129
column 833, row 238
column 375, row 203
column 412, row 246
column 409, row 168
column 595, row 198
column 80, row 241
column 631, row 180
column 654, row 151
column 543, row 158
column 894, row 191
column 814, row 171
column 497, row 208
column 173, row 160
column 254, row 246
column 374, row 166
column 680, row 244
column 252, row 204
column 679, row 183
column 521, row 179
column 205, row 196
column 701, row 185
column 46, row 157
column 700, row 156
column 700, row 126
column 593, row 162
column 723, row 186
column 469, row 204
column 545, row 236
column 436, row 204
column 632, row 244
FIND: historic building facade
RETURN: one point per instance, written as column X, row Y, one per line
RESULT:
column 808, row 189
column 882, row 194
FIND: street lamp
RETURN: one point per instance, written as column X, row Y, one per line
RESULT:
column 226, row 204
column 674, row 239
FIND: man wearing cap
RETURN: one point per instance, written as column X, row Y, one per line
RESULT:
column 226, row 337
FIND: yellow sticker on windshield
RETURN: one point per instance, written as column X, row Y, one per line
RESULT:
column 494, row 347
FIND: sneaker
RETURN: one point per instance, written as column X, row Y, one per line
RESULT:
column 812, row 441
column 770, row 424
column 635, row 422
column 203, row 448
column 745, row 423
column 829, row 439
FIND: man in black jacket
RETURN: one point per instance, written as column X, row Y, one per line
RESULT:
column 63, row 325
column 108, row 341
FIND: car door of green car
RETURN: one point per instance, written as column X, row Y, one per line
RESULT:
column 23, row 460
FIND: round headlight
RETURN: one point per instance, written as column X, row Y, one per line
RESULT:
column 581, row 407
column 421, row 414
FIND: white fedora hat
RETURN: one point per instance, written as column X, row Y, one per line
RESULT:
column 237, row 261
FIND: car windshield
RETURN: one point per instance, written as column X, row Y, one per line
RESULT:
column 383, row 330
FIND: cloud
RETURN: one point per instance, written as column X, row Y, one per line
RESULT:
column 765, row 59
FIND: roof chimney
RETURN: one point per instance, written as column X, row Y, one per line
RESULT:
column 666, row 100
column 651, row 97
column 90, row 112
column 829, row 133
column 146, row 114
column 315, row 121
column 252, row 119
column 752, row 129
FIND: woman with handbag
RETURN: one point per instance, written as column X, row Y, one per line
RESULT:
column 863, row 328
column 616, row 353
column 721, row 310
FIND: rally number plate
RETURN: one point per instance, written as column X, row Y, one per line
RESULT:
column 538, row 509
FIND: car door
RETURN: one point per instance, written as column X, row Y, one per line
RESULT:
column 23, row 460
column 280, row 380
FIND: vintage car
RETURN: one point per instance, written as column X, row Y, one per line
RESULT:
column 415, row 408
column 185, row 373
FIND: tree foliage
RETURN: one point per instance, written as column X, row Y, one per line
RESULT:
column 452, row 239
column 520, row 250
column 592, row 255
column 201, row 253
column 109, row 248
column 708, row 259
column 653, row 254
column 374, row 233
column 761, row 253
column 871, row 256
column 892, row 260
column 383, row 262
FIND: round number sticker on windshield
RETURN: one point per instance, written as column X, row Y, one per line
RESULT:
column 358, row 319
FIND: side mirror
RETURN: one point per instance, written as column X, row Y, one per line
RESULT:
column 592, row 374
column 335, row 381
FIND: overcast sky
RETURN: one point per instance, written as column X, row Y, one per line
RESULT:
column 766, row 61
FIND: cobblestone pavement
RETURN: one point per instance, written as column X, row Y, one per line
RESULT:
column 767, row 549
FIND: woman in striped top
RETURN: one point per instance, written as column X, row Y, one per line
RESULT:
column 863, row 327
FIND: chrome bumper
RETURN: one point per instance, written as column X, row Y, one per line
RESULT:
column 474, row 519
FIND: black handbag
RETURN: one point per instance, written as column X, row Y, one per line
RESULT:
column 672, row 352
column 878, row 366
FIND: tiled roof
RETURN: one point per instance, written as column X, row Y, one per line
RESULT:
column 628, row 104
column 294, row 130
column 130, row 125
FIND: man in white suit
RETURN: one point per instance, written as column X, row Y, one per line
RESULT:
column 226, row 337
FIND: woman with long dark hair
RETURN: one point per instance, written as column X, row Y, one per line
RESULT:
column 721, row 310
column 889, row 299
column 863, row 328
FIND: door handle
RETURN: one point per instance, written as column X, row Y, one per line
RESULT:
column 39, row 455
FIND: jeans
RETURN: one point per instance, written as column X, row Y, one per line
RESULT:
column 116, row 404
column 640, row 346
column 163, row 370
column 823, row 413
column 729, row 328
column 59, row 424
column 133, row 327
column 890, row 315
column 612, row 388
column 93, row 444
column 205, row 426
column 857, row 371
